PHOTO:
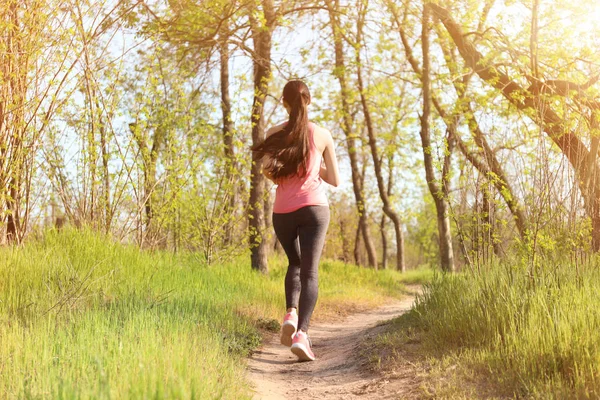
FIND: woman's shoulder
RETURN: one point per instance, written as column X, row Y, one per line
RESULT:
column 321, row 136
column 275, row 128
column 320, row 131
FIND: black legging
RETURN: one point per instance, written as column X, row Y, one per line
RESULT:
column 302, row 235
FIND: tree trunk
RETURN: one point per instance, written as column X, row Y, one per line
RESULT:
column 106, row 177
column 340, row 73
column 230, row 164
column 345, row 242
column 357, row 257
column 268, row 212
column 384, row 251
column 397, row 228
column 489, row 218
column 12, row 219
column 441, row 205
column 383, row 191
column 13, row 93
column 150, row 179
column 533, row 40
column 149, row 159
column 261, row 36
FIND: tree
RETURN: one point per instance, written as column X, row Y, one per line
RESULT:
column 384, row 192
column 439, row 193
column 262, row 34
column 347, row 124
column 39, row 59
column 535, row 101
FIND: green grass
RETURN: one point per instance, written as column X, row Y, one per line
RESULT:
column 533, row 333
column 83, row 317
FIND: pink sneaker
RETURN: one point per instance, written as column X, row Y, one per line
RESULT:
column 288, row 329
column 301, row 347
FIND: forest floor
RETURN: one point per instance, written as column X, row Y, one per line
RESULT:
column 341, row 370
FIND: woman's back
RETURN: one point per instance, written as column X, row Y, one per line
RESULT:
column 295, row 191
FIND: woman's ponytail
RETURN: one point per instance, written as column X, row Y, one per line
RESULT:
column 289, row 149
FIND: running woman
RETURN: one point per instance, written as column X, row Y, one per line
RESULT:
column 299, row 158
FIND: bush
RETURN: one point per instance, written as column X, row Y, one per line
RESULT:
column 535, row 329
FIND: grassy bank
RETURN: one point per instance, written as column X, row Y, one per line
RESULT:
column 530, row 332
column 83, row 317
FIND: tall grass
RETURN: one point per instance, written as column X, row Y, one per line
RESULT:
column 83, row 317
column 535, row 330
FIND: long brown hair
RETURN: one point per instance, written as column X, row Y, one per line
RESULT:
column 288, row 149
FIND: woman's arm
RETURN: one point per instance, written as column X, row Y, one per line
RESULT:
column 330, row 173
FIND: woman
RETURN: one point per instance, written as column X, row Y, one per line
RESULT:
column 294, row 153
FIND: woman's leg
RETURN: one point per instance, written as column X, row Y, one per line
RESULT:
column 286, row 229
column 313, row 222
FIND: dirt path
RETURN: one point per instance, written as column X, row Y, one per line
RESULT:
column 336, row 374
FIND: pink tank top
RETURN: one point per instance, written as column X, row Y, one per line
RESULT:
column 295, row 192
